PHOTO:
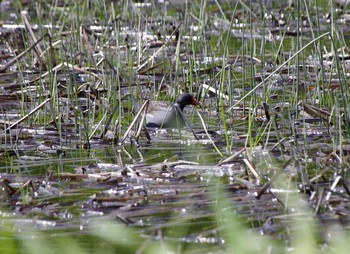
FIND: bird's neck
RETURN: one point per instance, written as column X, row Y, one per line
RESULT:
column 179, row 105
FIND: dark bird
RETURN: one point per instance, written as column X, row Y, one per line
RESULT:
column 161, row 115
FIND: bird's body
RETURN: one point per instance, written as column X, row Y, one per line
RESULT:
column 161, row 115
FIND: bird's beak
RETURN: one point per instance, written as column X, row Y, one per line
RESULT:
column 195, row 102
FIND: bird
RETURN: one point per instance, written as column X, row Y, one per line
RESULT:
column 161, row 115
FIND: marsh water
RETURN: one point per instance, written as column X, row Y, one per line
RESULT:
column 268, row 145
